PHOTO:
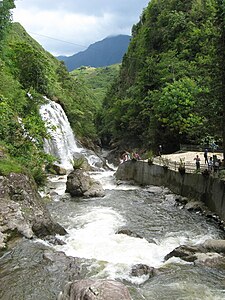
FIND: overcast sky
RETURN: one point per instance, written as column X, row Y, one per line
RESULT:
column 65, row 27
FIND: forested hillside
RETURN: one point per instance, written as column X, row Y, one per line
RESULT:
column 169, row 90
column 97, row 80
column 27, row 73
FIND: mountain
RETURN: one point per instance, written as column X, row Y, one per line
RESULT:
column 103, row 53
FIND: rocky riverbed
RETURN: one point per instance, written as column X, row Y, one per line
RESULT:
column 23, row 211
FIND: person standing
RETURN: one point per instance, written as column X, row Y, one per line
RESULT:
column 206, row 156
column 210, row 164
column 197, row 162
column 160, row 150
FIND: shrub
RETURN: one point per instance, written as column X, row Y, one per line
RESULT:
column 77, row 163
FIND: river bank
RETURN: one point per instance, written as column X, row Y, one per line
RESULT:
column 208, row 189
column 97, row 246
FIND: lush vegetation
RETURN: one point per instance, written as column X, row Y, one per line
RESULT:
column 170, row 87
column 27, row 73
column 97, row 80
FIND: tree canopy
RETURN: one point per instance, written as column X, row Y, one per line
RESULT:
column 168, row 88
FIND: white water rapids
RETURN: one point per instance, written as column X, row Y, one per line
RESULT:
column 92, row 226
column 92, row 234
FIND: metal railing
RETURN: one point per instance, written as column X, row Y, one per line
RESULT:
column 174, row 165
column 201, row 148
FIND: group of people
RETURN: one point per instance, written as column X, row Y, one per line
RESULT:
column 129, row 156
column 212, row 162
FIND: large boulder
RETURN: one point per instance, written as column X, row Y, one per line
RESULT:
column 90, row 289
column 187, row 253
column 22, row 212
column 209, row 259
column 79, row 183
column 217, row 246
column 209, row 253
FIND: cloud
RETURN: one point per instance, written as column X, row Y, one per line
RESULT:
column 70, row 26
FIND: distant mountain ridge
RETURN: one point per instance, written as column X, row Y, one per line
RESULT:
column 103, row 53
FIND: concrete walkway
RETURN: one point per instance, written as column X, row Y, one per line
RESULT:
column 187, row 157
column 190, row 155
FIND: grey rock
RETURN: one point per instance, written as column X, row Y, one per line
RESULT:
column 217, row 246
column 90, row 289
column 210, row 252
column 140, row 270
column 22, row 212
column 59, row 170
column 181, row 200
column 187, row 253
column 196, row 206
column 210, row 260
column 128, row 232
column 79, row 183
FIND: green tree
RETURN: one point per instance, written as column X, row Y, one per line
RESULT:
column 221, row 63
column 5, row 18
column 174, row 40
column 175, row 107
column 30, row 67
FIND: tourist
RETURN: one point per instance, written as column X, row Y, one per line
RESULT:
column 216, row 165
column 206, row 156
column 137, row 156
column 210, row 164
column 126, row 156
column 197, row 162
column 160, row 150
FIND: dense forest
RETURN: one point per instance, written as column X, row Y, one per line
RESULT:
column 170, row 87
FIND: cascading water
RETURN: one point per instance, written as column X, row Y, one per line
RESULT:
column 93, row 225
column 62, row 143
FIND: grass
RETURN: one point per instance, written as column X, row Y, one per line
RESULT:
column 8, row 166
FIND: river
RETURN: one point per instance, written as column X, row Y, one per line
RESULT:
column 157, row 224
column 38, row 270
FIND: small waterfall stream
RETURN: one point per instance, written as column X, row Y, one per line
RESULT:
column 62, row 144
column 93, row 224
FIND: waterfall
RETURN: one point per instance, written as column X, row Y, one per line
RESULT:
column 62, row 143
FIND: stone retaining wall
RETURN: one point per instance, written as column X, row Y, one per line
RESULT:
column 208, row 189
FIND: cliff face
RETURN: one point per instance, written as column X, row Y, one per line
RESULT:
column 22, row 212
column 210, row 190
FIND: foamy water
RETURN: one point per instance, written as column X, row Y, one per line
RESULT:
column 92, row 235
column 108, row 181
